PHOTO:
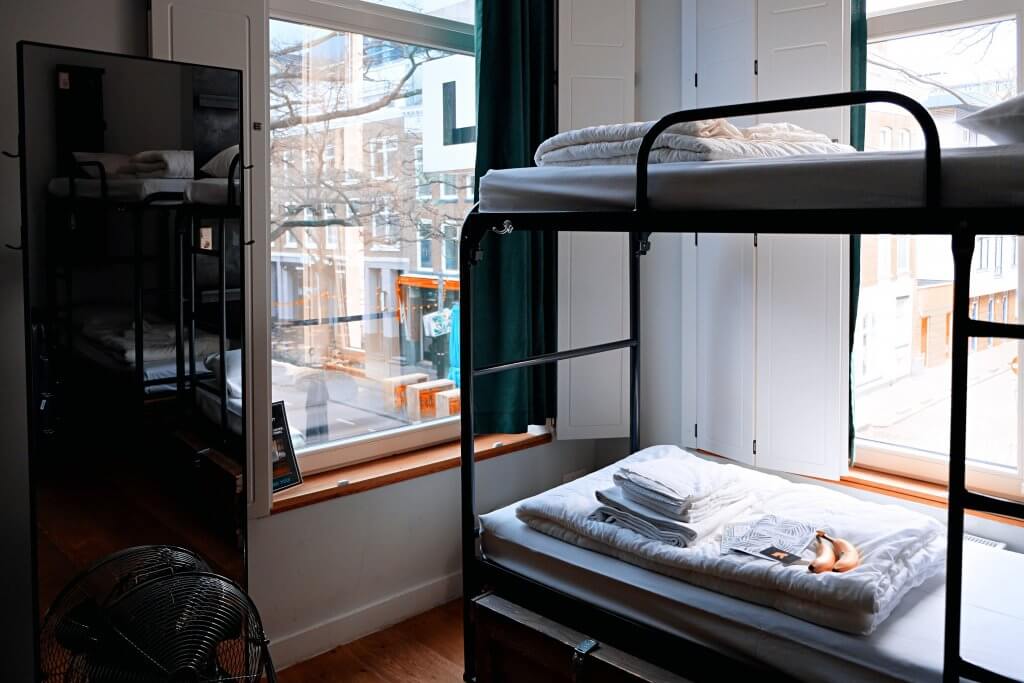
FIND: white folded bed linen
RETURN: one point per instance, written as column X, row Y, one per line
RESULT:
column 709, row 140
column 900, row 548
column 159, row 340
column 163, row 163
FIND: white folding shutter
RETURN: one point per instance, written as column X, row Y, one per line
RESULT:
column 233, row 34
column 725, row 345
column 802, row 50
column 726, row 38
column 596, row 66
column 802, row 354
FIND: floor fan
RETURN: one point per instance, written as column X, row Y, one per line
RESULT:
column 153, row 614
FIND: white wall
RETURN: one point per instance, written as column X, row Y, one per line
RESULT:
column 114, row 25
column 659, row 92
column 332, row 572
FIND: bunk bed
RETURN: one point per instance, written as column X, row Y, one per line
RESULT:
column 686, row 629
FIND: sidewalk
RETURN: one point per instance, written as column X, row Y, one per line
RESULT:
column 914, row 410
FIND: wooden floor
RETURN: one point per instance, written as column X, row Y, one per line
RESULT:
column 427, row 648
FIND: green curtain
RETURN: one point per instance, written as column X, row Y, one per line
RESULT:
column 858, row 81
column 514, row 303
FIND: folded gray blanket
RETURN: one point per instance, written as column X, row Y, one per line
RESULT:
column 616, row 509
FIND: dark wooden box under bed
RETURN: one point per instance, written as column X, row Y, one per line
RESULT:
column 487, row 583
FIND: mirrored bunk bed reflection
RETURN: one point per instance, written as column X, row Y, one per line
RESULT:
column 132, row 207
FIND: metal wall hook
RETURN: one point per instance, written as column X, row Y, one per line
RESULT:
column 15, row 248
column 249, row 243
column 10, row 155
column 505, row 229
column 248, row 168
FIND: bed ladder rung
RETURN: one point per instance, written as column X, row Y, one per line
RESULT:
column 993, row 505
column 987, row 328
column 973, row 672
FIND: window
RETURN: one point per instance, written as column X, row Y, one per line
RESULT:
column 451, row 247
column 903, row 139
column 902, row 405
column 329, row 157
column 885, row 137
column 366, row 312
column 384, row 224
column 902, row 254
column 381, row 151
column 426, row 245
column 467, row 187
column 448, row 190
column 423, row 189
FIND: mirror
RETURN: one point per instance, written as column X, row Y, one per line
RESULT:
column 134, row 284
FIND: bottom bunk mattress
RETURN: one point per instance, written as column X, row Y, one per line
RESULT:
column 907, row 646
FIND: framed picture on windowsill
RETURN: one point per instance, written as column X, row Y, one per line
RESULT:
column 283, row 465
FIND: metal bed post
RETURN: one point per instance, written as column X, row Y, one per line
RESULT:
column 638, row 246
column 222, row 300
column 963, row 250
column 139, row 337
column 192, row 306
column 469, row 256
column 179, row 323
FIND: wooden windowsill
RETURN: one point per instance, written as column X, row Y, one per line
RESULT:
column 915, row 490
column 393, row 469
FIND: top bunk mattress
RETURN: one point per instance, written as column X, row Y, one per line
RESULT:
column 119, row 189
column 971, row 177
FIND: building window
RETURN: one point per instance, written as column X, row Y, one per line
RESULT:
column 382, row 150
column 448, row 188
column 903, row 254
column 425, row 252
column 451, row 247
column 902, row 408
column 385, row 224
column 885, row 137
column 423, row 189
column 329, row 157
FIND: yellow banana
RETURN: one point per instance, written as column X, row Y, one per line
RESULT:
column 847, row 555
column 825, row 557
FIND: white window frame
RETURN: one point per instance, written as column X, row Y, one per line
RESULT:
column 388, row 23
column 928, row 17
column 424, row 191
column 449, row 225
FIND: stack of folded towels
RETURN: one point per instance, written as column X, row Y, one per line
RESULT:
column 668, row 501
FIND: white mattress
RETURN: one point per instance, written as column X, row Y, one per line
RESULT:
column 209, row 191
column 167, row 369
column 121, row 189
column 984, row 176
column 907, row 646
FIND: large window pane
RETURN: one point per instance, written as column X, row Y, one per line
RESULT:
column 362, row 276
column 901, row 362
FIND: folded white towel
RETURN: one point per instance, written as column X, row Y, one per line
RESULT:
column 708, row 140
column 618, row 509
column 164, row 163
column 673, row 487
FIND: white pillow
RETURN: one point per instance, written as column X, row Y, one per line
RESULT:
column 1003, row 122
column 115, row 165
column 219, row 165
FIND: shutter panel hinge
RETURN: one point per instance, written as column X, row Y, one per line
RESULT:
column 755, row 239
column 695, row 430
column 755, row 446
column 695, row 238
column 696, row 79
column 755, row 67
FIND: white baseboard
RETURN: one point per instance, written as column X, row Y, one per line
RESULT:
column 344, row 628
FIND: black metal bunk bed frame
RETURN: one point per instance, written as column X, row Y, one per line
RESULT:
column 188, row 378
column 189, row 246
column 481, row 575
column 63, row 270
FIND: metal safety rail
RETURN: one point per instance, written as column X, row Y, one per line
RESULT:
column 641, row 222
